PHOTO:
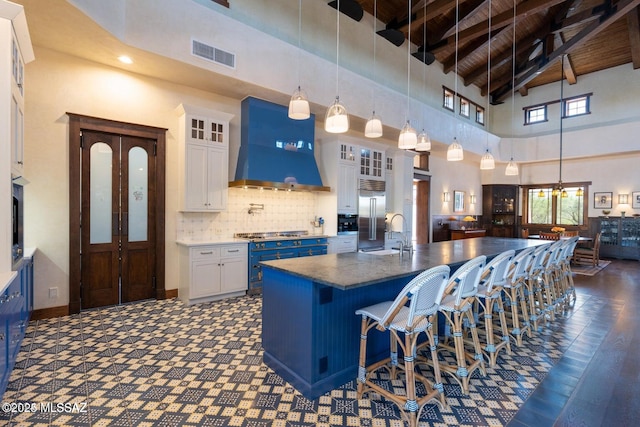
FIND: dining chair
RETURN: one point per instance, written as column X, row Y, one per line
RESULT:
column 549, row 236
column 588, row 255
column 410, row 314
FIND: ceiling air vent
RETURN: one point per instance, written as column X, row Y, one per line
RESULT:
column 213, row 54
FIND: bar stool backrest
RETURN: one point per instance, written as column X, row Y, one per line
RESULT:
column 520, row 264
column 553, row 252
column 568, row 248
column 424, row 293
column 467, row 278
column 497, row 270
column 538, row 258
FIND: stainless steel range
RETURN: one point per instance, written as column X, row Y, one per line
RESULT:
column 278, row 245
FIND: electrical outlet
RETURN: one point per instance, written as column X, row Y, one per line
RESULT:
column 218, row 231
column 53, row 293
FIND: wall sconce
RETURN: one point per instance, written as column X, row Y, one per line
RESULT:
column 623, row 199
column 446, row 197
column 472, row 199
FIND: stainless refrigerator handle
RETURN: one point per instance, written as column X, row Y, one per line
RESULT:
column 373, row 219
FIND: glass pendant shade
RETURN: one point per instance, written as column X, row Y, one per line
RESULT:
column 512, row 168
column 336, row 119
column 541, row 193
column 564, row 194
column 555, row 192
column 373, row 128
column 580, row 192
column 299, row 105
column 408, row 138
column 424, row 142
column 454, row 152
column 487, row 162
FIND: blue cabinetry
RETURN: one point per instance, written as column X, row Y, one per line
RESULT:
column 280, row 249
column 16, row 306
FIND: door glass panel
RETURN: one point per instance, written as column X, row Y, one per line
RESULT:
column 138, row 192
column 100, row 182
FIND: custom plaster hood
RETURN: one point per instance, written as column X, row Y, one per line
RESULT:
column 276, row 151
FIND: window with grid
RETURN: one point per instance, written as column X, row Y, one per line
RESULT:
column 576, row 106
column 544, row 206
column 465, row 107
column 535, row 114
column 447, row 99
column 479, row 115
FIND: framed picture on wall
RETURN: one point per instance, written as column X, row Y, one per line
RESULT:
column 458, row 201
column 635, row 200
column 602, row 200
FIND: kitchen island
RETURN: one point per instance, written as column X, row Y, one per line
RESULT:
column 310, row 333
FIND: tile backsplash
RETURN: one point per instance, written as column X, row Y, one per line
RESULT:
column 283, row 211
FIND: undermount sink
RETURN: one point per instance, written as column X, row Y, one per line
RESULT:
column 383, row 252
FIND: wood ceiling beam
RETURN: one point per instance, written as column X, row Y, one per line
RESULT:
column 437, row 8
column 633, row 23
column 614, row 11
column 523, row 10
column 567, row 66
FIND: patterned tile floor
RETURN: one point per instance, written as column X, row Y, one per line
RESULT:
column 161, row 363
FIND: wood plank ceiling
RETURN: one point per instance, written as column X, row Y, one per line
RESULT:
column 592, row 35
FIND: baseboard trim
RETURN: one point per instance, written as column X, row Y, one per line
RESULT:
column 50, row 312
column 63, row 310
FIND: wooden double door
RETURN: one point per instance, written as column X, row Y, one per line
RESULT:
column 119, row 232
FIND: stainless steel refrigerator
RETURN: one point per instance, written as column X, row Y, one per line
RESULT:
column 371, row 215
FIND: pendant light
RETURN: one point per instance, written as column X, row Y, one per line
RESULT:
column 424, row 142
column 373, row 127
column 455, row 152
column 408, row 138
column 337, row 120
column 299, row 104
column 487, row 161
column 512, row 167
column 559, row 189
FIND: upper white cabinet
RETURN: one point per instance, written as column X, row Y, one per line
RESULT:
column 347, row 189
column 15, row 52
column 204, row 137
column 372, row 163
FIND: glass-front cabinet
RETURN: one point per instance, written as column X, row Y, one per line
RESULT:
column 619, row 237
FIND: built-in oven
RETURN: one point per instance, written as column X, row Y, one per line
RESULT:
column 17, row 216
column 347, row 224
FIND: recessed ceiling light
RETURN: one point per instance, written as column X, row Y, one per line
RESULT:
column 125, row 59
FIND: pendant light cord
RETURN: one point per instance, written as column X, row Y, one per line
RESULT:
column 561, row 109
column 455, row 119
column 513, row 79
column 337, row 47
column 299, row 37
column 408, row 59
column 375, row 29
column 489, row 76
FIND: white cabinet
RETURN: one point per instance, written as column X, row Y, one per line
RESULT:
column 204, row 136
column 213, row 272
column 347, row 190
column 371, row 163
column 343, row 244
column 15, row 51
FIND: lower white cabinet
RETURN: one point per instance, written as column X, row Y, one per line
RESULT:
column 212, row 272
column 343, row 244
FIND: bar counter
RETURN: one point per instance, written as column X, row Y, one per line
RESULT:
column 310, row 333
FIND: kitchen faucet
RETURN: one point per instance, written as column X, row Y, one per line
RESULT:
column 405, row 243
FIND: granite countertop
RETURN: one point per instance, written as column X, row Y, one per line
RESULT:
column 351, row 270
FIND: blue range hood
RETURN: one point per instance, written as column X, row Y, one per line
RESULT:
column 276, row 151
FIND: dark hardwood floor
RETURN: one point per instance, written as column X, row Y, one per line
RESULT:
column 597, row 380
